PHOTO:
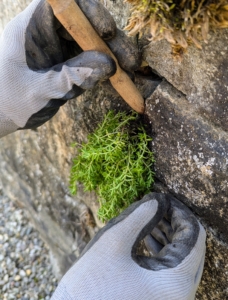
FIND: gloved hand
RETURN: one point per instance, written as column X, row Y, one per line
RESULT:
column 111, row 269
column 41, row 67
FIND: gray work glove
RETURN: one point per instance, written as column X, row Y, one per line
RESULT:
column 111, row 269
column 41, row 67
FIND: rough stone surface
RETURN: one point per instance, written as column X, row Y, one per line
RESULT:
column 9, row 9
column 119, row 12
column 215, row 277
column 201, row 75
column 193, row 164
column 188, row 117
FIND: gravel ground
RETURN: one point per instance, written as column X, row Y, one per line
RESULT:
column 25, row 269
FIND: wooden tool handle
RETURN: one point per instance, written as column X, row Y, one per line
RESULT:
column 72, row 18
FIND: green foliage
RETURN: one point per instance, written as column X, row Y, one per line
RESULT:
column 180, row 22
column 115, row 162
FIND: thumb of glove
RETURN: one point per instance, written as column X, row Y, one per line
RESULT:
column 68, row 80
column 39, row 94
column 124, row 232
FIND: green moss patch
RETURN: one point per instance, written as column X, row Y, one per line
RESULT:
column 115, row 162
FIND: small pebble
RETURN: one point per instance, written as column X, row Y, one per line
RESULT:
column 2, row 282
column 22, row 273
column 17, row 278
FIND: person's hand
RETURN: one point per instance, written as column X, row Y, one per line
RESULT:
column 41, row 67
column 110, row 267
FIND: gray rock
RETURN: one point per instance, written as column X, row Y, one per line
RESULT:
column 201, row 75
column 6, row 278
column 2, row 282
column 4, row 288
column 22, row 273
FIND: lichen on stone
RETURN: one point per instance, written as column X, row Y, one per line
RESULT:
column 180, row 22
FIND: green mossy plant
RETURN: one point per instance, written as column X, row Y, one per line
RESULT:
column 180, row 22
column 115, row 162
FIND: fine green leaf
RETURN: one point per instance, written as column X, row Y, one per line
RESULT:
column 115, row 162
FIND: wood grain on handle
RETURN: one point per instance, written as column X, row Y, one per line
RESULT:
column 72, row 18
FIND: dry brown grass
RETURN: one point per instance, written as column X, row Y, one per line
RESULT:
column 180, row 22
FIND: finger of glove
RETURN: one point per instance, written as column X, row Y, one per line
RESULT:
column 152, row 245
column 182, row 220
column 189, row 237
column 67, row 80
column 61, row 83
column 44, row 48
column 122, row 46
column 99, row 17
column 159, row 236
column 126, row 52
column 165, row 227
column 122, row 234
column 42, row 45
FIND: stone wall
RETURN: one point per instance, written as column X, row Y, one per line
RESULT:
column 9, row 9
column 188, row 116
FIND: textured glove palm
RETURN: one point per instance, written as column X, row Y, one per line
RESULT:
column 41, row 67
column 111, row 269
